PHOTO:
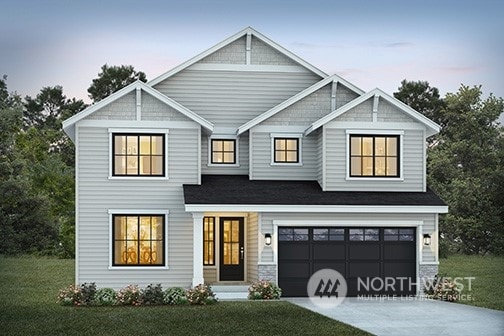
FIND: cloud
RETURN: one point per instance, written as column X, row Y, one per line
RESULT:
column 459, row 69
column 398, row 45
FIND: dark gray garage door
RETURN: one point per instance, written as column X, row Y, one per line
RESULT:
column 383, row 258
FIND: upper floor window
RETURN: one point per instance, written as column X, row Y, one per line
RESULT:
column 223, row 151
column 286, row 150
column 138, row 240
column 138, row 154
column 374, row 155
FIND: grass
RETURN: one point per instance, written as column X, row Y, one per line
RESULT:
column 487, row 289
column 29, row 286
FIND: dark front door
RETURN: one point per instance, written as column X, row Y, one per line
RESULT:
column 232, row 249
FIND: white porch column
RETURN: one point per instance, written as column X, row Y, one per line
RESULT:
column 197, row 248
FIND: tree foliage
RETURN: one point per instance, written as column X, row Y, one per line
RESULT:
column 465, row 164
column 112, row 79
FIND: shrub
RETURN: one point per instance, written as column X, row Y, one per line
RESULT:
column 129, row 296
column 175, row 296
column 88, row 291
column 442, row 288
column 105, row 297
column 264, row 290
column 152, row 295
column 70, row 295
column 201, row 295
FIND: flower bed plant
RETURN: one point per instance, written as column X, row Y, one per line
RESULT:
column 201, row 295
column 264, row 290
column 175, row 296
column 442, row 288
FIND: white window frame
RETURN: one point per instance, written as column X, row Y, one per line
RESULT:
column 298, row 136
column 224, row 137
column 374, row 132
column 112, row 131
column 147, row 212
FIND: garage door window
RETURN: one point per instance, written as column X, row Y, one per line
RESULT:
column 364, row 234
column 290, row 234
column 328, row 234
column 399, row 234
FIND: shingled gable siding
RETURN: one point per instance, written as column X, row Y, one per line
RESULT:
column 123, row 108
column 261, row 53
column 97, row 194
column 233, row 53
column 155, row 110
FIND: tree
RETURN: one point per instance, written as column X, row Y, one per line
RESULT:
column 465, row 164
column 112, row 79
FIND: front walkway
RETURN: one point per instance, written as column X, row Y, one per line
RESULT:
column 414, row 317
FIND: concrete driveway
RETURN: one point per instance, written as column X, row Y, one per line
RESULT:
column 413, row 317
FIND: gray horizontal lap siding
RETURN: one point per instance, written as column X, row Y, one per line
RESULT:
column 97, row 194
column 412, row 161
column 262, row 168
column 232, row 98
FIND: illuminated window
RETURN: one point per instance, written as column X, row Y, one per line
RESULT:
column 138, row 240
column 286, row 150
column 374, row 156
column 138, row 154
column 209, row 241
column 223, row 151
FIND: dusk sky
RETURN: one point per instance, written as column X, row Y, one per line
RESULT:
column 369, row 43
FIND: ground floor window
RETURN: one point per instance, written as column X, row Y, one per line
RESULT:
column 138, row 240
column 208, row 241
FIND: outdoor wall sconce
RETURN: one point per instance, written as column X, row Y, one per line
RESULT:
column 267, row 239
column 426, row 239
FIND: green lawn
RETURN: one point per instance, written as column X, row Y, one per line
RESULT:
column 487, row 287
column 29, row 286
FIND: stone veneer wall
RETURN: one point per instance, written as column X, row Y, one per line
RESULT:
column 267, row 272
column 426, row 272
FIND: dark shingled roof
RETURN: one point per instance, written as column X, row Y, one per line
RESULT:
column 238, row 189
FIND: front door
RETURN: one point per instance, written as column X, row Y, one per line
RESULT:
column 232, row 249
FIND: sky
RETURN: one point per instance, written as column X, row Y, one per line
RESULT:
column 369, row 43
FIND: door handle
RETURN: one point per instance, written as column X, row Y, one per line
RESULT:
column 242, row 252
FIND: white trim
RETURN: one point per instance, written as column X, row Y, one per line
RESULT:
column 147, row 212
column 248, row 48
column 294, row 99
column 434, row 263
column 229, row 40
column 133, row 124
column 334, row 89
column 138, row 104
column 77, row 212
column 224, row 137
column 199, row 156
column 374, row 132
column 251, row 155
column 198, row 268
column 69, row 124
column 349, row 223
column 317, row 208
column 112, row 131
column 424, row 163
column 431, row 126
column 298, row 136
column 248, row 68
column 368, row 125
column 324, row 159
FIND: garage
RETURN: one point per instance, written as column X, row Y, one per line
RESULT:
column 374, row 261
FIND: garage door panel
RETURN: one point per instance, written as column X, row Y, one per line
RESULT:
column 399, row 251
column 329, row 252
column 294, row 288
column 364, row 269
column 337, row 266
column 294, row 251
column 399, row 269
column 364, row 251
column 294, row 269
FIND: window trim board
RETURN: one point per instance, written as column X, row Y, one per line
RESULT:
column 147, row 212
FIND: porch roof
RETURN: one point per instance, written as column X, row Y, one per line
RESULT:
column 239, row 190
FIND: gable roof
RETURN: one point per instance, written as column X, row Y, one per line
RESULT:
column 69, row 124
column 432, row 127
column 229, row 40
column 294, row 99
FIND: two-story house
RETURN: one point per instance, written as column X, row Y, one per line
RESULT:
column 247, row 163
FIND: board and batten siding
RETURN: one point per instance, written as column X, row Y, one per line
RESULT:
column 232, row 98
column 428, row 253
column 97, row 194
column 263, row 169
